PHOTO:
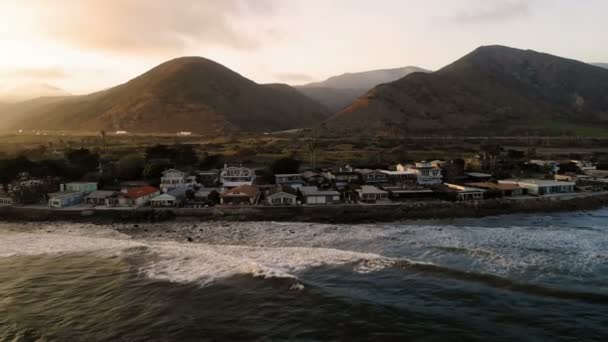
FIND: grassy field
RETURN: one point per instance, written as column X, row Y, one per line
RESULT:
column 262, row 149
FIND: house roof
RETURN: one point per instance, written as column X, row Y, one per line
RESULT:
column 172, row 170
column 62, row 194
column 240, row 191
column 495, row 186
column 282, row 189
column 539, row 182
column 164, row 197
column 101, row 194
column 314, row 191
column 368, row 189
column 478, row 175
column 140, row 192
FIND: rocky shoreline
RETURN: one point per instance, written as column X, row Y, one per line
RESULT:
column 315, row 214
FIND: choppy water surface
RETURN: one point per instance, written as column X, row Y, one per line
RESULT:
column 518, row 277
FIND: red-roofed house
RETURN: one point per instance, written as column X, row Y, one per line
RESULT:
column 133, row 197
column 244, row 194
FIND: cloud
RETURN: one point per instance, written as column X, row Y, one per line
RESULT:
column 293, row 77
column 144, row 26
column 50, row 73
column 492, row 11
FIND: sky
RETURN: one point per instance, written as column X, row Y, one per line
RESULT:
column 88, row 45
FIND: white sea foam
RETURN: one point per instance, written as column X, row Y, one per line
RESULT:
column 191, row 262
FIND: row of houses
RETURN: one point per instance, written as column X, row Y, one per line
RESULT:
column 238, row 185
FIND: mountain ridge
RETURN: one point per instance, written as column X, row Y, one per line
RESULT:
column 492, row 90
column 183, row 94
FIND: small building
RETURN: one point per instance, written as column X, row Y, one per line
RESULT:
column 99, row 197
column 505, row 190
column 292, row 179
column 427, row 173
column 372, row 176
column 402, row 193
column 64, row 199
column 233, row 176
column 184, row 133
column 343, row 176
column 84, row 187
column 5, row 199
column 403, row 176
column 540, row 187
column 371, row 194
column 282, row 195
column 314, row 178
column 464, row 193
column 173, row 179
column 209, row 178
column 173, row 198
column 202, row 195
column 133, row 197
column 121, row 132
column 243, row 194
column 312, row 195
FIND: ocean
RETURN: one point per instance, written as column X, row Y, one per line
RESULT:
column 506, row 278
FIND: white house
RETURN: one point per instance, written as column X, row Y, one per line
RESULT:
column 172, row 179
column 233, row 176
column 5, row 200
column 427, row 173
column 282, row 195
column 371, row 194
column 539, row 187
column 465, row 193
column 312, row 195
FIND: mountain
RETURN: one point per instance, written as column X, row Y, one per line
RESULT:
column 339, row 91
column 184, row 94
column 25, row 92
column 492, row 90
column 601, row 65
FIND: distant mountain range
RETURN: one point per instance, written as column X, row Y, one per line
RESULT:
column 25, row 92
column 338, row 92
column 493, row 90
column 184, row 94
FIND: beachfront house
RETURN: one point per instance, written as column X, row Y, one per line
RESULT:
column 401, row 176
column 64, row 199
column 503, row 189
column 243, row 194
column 464, row 193
column 173, row 198
column 291, row 179
column 99, row 197
column 540, row 187
column 343, row 176
column 312, row 195
column 233, row 176
column 282, row 195
column 133, row 197
column 371, row 194
column 5, row 199
column 427, row 173
column 173, row 179
column 84, row 187
column 372, row 176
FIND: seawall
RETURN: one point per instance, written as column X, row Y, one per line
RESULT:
column 327, row 214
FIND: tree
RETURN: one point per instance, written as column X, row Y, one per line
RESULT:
column 214, row 197
column 83, row 159
column 159, row 152
column 214, row 161
column 285, row 165
column 154, row 169
column 129, row 167
column 184, row 155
